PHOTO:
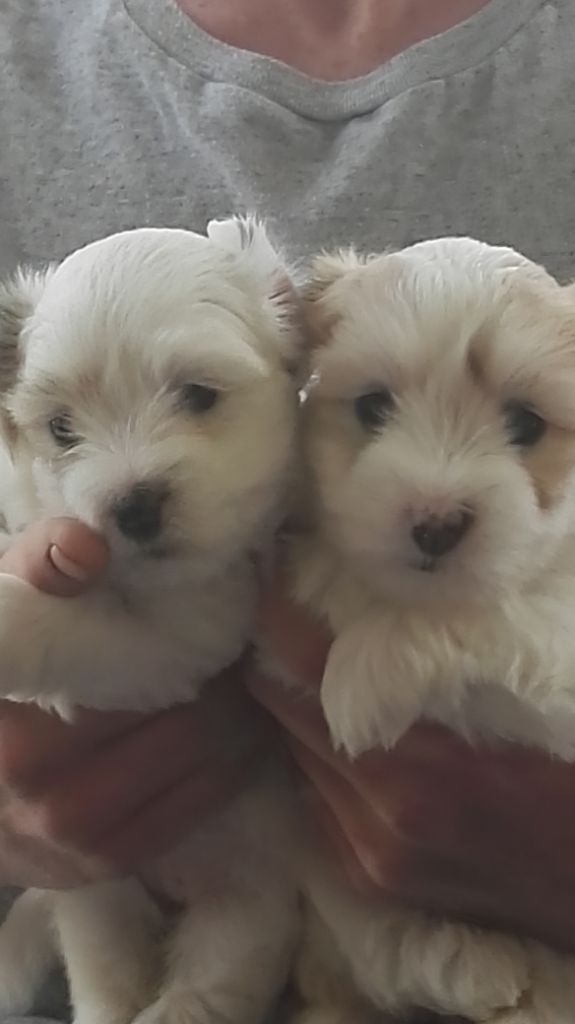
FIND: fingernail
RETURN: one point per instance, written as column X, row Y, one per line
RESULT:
column 66, row 566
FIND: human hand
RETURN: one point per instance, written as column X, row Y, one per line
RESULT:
column 103, row 795
column 485, row 835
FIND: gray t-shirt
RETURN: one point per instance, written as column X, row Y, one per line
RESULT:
column 121, row 113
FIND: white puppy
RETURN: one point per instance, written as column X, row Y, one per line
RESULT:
column 146, row 389
column 440, row 443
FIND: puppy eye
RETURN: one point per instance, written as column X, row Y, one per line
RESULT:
column 374, row 409
column 61, row 430
column 524, row 426
column 199, row 398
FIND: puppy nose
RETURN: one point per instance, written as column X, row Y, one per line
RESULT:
column 139, row 514
column 437, row 535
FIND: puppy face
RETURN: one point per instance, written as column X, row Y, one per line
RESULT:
column 147, row 389
column 440, row 429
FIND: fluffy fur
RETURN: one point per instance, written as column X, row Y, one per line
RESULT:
column 155, row 363
column 469, row 351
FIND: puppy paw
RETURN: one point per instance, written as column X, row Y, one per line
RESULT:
column 24, row 624
column 368, row 698
column 550, row 998
column 488, row 974
column 356, row 721
column 447, row 968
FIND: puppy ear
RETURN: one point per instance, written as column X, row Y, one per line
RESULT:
column 18, row 298
column 326, row 272
column 248, row 240
column 329, row 267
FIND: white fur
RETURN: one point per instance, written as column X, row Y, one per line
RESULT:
column 110, row 338
column 485, row 641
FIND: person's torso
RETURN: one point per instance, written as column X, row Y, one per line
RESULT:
column 120, row 116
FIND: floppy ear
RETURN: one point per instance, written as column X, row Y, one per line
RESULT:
column 248, row 240
column 18, row 298
column 327, row 268
column 326, row 272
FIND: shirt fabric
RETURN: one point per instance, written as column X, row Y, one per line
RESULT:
column 122, row 113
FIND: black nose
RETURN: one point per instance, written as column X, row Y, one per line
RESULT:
column 139, row 514
column 436, row 536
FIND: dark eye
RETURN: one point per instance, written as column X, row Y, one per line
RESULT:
column 198, row 397
column 62, row 432
column 374, row 409
column 524, row 426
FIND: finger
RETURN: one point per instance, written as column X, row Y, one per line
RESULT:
column 367, row 847
column 59, row 556
column 173, row 814
column 379, row 861
column 24, row 862
column 290, row 637
column 112, row 782
column 416, row 790
column 442, row 877
column 399, row 824
column 36, row 745
column 412, row 840
column 119, row 776
column 329, row 834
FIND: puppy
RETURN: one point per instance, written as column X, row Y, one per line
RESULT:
column 439, row 435
column 147, row 389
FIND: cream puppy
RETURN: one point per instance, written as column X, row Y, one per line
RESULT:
column 147, row 389
column 440, row 445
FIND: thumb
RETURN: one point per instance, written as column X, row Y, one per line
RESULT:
column 62, row 557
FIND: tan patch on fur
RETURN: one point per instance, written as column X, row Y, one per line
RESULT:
column 17, row 300
column 87, row 384
column 550, row 464
column 326, row 269
column 319, row 324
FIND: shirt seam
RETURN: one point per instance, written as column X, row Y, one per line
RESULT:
column 401, row 90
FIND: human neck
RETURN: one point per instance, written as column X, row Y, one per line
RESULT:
column 328, row 39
